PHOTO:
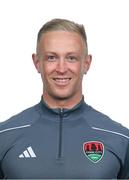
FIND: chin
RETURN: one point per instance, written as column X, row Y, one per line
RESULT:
column 62, row 96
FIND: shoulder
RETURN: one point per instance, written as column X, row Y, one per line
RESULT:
column 16, row 127
column 22, row 119
column 101, row 122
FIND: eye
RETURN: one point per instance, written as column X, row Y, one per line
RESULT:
column 72, row 58
column 51, row 58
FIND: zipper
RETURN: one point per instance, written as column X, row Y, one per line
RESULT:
column 60, row 133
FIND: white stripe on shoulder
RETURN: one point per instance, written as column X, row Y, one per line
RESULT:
column 113, row 132
column 13, row 128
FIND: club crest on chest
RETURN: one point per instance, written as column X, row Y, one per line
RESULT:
column 93, row 150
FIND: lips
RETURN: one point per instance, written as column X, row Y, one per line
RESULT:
column 62, row 81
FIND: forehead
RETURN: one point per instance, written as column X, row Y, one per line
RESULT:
column 55, row 40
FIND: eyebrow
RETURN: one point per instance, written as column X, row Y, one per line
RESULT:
column 50, row 52
column 69, row 53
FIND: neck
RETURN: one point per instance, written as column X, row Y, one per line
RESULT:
column 62, row 103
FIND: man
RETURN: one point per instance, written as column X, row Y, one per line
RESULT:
column 62, row 137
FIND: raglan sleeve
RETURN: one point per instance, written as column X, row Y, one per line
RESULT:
column 1, row 176
column 125, row 170
column 2, row 143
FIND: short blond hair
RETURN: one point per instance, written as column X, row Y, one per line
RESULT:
column 64, row 25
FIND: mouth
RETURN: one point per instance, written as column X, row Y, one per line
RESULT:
column 62, row 81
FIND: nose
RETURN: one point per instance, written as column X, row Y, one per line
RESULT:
column 61, row 66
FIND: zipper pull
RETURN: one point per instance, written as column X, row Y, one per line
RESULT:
column 61, row 110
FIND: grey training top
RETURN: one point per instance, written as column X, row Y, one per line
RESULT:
column 79, row 143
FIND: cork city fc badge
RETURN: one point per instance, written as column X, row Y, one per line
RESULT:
column 93, row 150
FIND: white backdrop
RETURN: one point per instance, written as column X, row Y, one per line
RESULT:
column 106, row 87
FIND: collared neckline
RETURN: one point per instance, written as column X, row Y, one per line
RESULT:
column 51, row 111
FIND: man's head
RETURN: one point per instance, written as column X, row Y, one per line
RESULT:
column 62, row 59
column 63, row 25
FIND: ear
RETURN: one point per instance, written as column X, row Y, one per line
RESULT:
column 36, row 62
column 87, row 63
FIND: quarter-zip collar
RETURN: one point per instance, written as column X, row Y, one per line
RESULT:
column 61, row 116
column 53, row 113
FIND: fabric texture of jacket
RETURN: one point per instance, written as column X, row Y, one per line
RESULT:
column 77, row 143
